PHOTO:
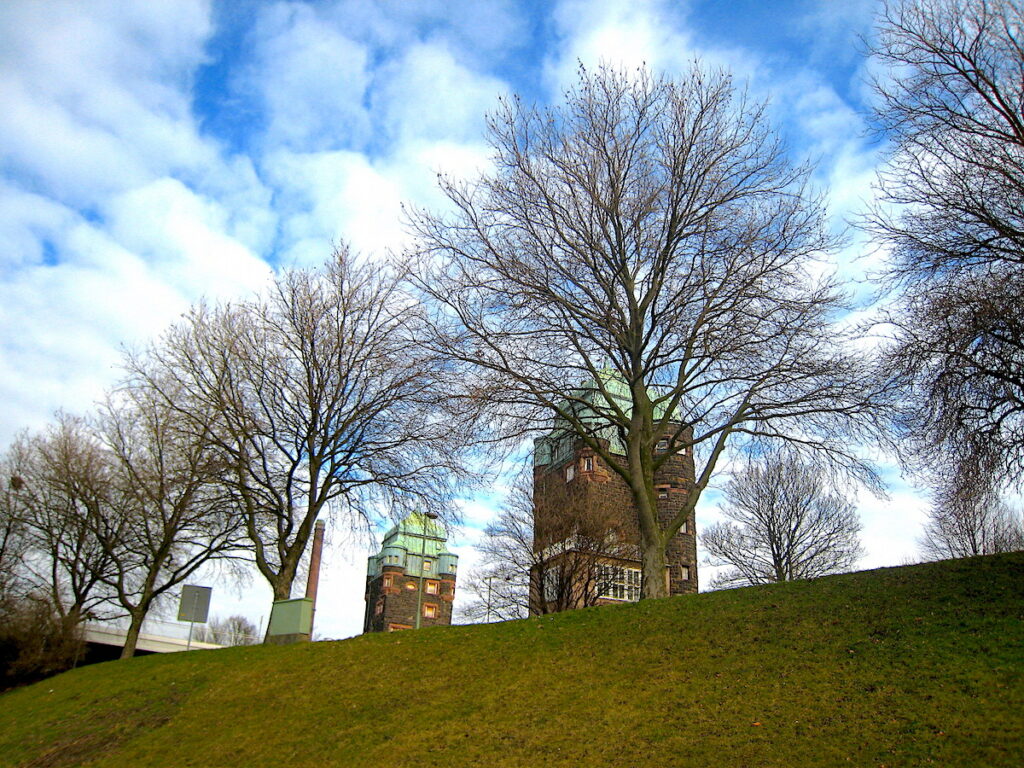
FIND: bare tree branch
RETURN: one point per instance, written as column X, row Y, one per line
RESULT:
column 951, row 104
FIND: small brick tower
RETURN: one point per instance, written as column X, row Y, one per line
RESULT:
column 410, row 583
column 571, row 481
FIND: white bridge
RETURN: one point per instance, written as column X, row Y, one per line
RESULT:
column 112, row 635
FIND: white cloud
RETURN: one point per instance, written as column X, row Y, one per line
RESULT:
column 96, row 96
column 330, row 196
column 833, row 28
column 108, row 239
column 181, row 239
column 426, row 95
column 628, row 34
column 635, row 33
column 312, row 79
column 29, row 222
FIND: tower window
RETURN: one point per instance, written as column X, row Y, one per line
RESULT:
column 685, row 527
column 662, row 446
column 379, row 609
column 684, row 572
column 429, row 611
column 410, row 585
column 427, row 565
column 388, row 580
column 570, row 473
column 663, row 493
column 431, row 587
column 588, row 463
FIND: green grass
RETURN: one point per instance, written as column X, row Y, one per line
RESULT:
column 922, row 665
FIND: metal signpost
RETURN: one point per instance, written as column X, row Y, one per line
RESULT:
column 194, row 607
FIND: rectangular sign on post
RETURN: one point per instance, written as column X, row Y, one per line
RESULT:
column 195, row 603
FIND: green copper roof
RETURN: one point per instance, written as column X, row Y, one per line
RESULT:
column 556, row 446
column 412, row 540
column 417, row 524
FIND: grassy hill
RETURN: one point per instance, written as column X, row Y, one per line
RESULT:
column 902, row 666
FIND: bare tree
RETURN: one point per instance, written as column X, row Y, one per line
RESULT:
column 950, row 104
column 13, row 534
column 498, row 594
column 234, row 630
column 652, row 234
column 966, row 524
column 61, row 488
column 325, row 401
column 784, row 523
column 174, row 514
column 500, row 585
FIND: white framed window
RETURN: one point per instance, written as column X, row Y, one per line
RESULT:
column 685, row 527
column 570, row 473
column 379, row 608
column 615, row 582
column 427, row 565
column 432, row 587
column 684, row 572
column 588, row 463
column 429, row 611
column 389, row 580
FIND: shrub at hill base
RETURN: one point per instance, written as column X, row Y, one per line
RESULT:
column 34, row 642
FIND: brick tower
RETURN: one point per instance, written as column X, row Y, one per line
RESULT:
column 410, row 583
column 586, row 539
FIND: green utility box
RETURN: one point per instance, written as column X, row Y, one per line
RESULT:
column 291, row 621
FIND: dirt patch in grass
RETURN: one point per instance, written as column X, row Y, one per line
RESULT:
column 92, row 737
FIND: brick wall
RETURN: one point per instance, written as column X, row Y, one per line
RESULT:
column 602, row 495
column 399, row 600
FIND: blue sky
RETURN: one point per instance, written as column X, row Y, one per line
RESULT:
column 154, row 153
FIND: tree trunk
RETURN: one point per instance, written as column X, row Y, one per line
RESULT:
column 653, row 559
column 71, row 620
column 132, row 638
column 652, row 546
column 283, row 586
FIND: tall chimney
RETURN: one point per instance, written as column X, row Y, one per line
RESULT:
column 314, row 567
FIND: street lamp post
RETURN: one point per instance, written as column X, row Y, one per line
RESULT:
column 423, row 555
column 506, row 578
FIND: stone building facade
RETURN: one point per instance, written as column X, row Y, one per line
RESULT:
column 410, row 583
column 572, row 483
